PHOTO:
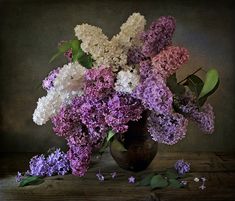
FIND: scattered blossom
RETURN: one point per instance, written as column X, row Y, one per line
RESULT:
column 196, row 179
column 114, row 175
column 19, row 177
column 182, row 167
column 99, row 176
column 131, row 180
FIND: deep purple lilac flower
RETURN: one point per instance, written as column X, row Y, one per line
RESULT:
column 79, row 158
column 48, row 82
column 154, row 94
column 169, row 60
column 158, row 36
column 99, row 82
column 145, row 69
column 67, row 122
column 135, row 56
column 167, row 128
column 182, row 167
column 69, row 55
column 122, row 108
column 131, row 180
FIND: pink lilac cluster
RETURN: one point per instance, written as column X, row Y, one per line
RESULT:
column 167, row 128
column 56, row 163
column 169, row 60
column 99, row 82
column 122, row 108
column 182, row 167
column 203, row 116
column 48, row 82
column 158, row 36
column 154, row 94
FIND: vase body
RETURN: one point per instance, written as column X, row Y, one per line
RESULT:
column 140, row 148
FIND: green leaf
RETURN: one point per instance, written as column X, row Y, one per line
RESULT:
column 64, row 46
column 174, row 183
column 31, row 180
column 146, row 180
column 171, row 174
column 195, row 84
column 76, row 50
column 110, row 135
column 175, row 88
column 54, row 56
column 86, row 61
column 211, row 81
column 118, row 145
column 158, row 181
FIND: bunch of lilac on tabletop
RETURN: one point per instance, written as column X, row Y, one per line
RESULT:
column 182, row 167
column 108, row 84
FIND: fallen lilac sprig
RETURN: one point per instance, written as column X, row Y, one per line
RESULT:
column 202, row 187
column 182, row 167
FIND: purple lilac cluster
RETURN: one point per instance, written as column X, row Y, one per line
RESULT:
column 182, row 167
column 56, row 163
column 79, row 157
column 99, row 82
column 135, row 56
column 145, row 69
column 169, row 60
column 154, row 94
column 122, row 108
column 48, row 82
column 85, row 122
column 158, row 36
column 203, row 116
column 167, row 128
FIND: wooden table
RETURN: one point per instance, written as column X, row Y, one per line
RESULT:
column 218, row 168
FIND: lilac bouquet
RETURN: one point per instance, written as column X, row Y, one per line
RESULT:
column 108, row 83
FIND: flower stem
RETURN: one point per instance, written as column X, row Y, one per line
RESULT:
column 190, row 75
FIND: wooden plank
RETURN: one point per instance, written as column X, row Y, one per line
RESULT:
column 217, row 168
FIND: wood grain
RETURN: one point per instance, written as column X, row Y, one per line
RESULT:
column 218, row 168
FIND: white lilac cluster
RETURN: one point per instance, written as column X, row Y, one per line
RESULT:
column 127, row 81
column 67, row 84
column 111, row 52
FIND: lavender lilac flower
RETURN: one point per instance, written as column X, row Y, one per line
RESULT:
column 167, row 128
column 122, row 108
column 56, row 163
column 158, row 36
column 169, row 60
column 48, row 82
column 204, row 116
column 182, row 167
column 154, row 94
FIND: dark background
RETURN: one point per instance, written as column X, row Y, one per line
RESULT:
column 30, row 31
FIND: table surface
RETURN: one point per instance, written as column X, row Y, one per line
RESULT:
column 218, row 168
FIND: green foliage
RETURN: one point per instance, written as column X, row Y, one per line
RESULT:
column 174, row 183
column 109, row 137
column 171, row 174
column 195, row 84
column 146, row 180
column 31, row 180
column 158, row 181
column 77, row 52
column 175, row 88
column 211, row 83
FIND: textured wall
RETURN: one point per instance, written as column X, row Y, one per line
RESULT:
column 30, row 31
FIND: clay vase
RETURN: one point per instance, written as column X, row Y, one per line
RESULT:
column 139, row 148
